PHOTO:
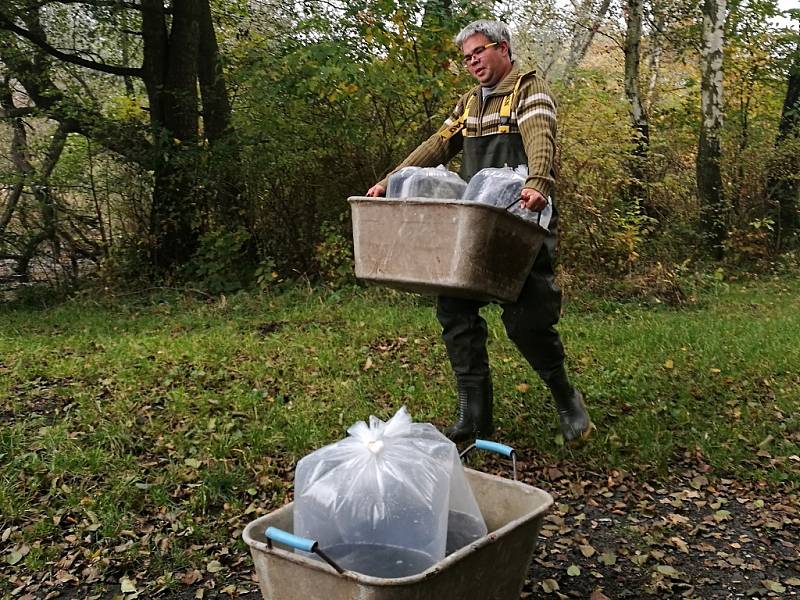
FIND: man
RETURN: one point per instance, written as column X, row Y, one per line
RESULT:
column 508, row 119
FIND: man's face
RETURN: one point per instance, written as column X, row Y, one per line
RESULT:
column 488, row 65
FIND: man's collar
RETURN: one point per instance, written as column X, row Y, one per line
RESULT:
column 508, row 82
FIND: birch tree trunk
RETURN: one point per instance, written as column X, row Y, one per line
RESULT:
column 713, row 211
column 656, row 49
column 589, row 16
column 637, row 189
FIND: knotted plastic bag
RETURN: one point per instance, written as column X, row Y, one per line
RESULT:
column 502, row 187
column 425, row 182
column 379, row 501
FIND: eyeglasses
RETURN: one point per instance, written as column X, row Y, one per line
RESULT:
column 467, row 60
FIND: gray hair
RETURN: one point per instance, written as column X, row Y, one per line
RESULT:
column 494, row 30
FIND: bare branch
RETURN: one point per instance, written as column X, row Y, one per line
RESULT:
column 8, row 24
column 109, row 3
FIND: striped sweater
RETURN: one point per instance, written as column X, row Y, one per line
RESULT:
column 533, row 116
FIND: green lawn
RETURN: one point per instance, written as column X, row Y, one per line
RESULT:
column 172, row 414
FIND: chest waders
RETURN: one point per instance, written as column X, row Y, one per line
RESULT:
column 529, row 321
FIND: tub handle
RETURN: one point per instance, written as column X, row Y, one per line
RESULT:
column 299, row 543
column 538, row 214
column 495, row 447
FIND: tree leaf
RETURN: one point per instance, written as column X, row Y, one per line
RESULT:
column 722, row 515
column 668, row 571
column 127, row 586
column 608, row 558
column 214, row 566
column 550, row 586
column 773, row 586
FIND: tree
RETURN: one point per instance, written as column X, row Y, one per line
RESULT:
column 179, row 53
column 637, row 191
column 785, row 182
column 589, row 14
column 709, row 174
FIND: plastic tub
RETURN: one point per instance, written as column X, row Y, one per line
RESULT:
column 443, row 247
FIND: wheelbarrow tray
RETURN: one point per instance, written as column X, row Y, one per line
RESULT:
column 443, row 247
column 493, row 567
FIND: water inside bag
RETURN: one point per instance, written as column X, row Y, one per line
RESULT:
column 380, row 560
column 462, row 529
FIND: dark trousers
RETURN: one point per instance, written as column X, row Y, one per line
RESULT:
column 529, row 322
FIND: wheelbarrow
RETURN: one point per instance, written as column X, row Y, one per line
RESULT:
column 492, row 567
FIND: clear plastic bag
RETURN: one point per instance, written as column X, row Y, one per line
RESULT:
column 379, row 501
column 502, row 187
column 499, row 187
column 426, row 182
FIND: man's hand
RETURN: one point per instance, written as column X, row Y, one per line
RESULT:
column 376, row 191
column 532, row 200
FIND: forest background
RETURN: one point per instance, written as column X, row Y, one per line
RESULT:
column 214, row 143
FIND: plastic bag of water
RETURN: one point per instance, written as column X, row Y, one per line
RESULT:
column 501, row 187
column 425, row 182
column 388, row 500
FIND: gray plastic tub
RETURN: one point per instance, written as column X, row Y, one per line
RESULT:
column 443, row 247
column 491, row 568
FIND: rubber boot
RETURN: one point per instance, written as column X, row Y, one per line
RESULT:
column 475, row 400
column 572, row 414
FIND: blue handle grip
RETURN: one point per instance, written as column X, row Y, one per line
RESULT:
column 496, row 447
column 289, row 539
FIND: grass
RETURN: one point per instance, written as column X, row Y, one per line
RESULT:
column 176, row 413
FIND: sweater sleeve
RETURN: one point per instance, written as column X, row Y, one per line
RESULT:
column 436, row 150
column 536, row 119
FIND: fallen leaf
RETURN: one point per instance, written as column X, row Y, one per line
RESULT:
column 680, row 544
column 722, row 515
column 668, row 570
column 550, row 586
column 699, row 482
column 193, row 463
column 523, row 387
column 608, row 558
column 214, row 566
column 587, row 550
column 793, row 581
column 368, row 364
column 127, row 586
column 598, row 595
column 773, row 586
column 669, row 364
column 573, row 571
column 191, row 577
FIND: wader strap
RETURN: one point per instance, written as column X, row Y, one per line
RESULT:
column 505, row 109
column 459, row 124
